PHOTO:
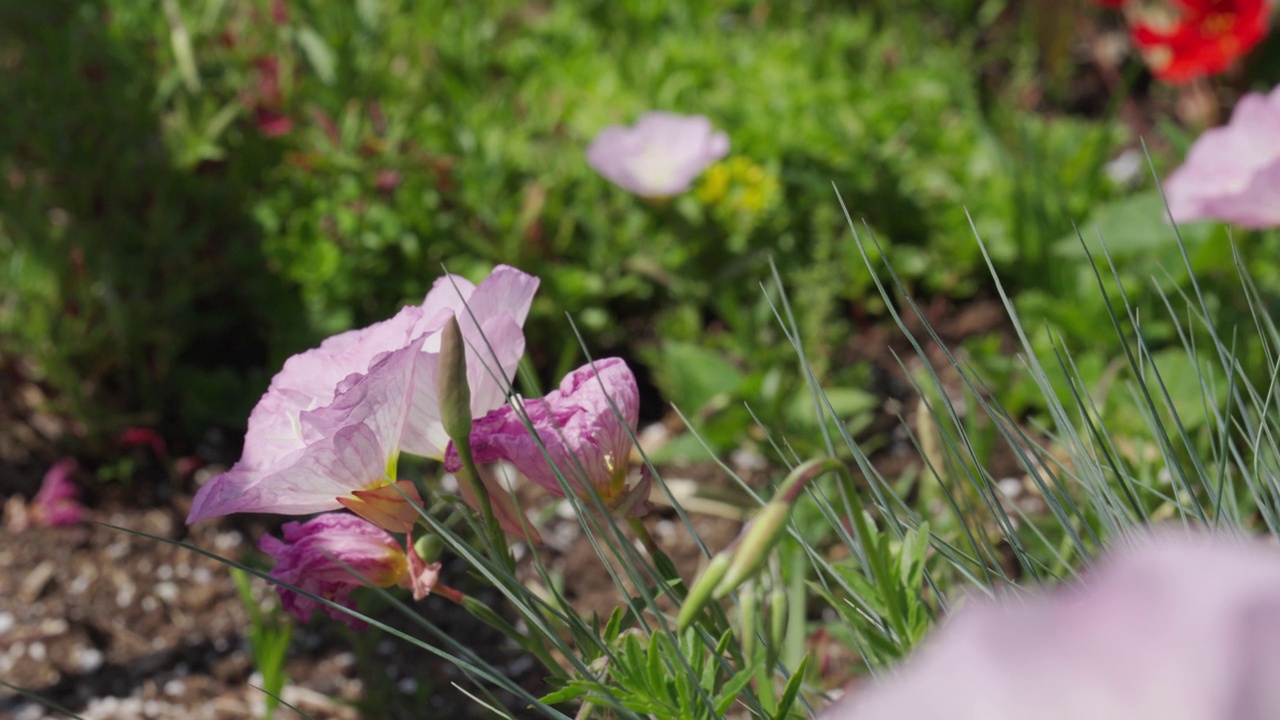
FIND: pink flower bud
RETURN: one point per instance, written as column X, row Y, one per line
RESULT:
column 333, row 554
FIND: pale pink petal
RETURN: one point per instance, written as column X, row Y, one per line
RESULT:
column 302, row 445
column 1232, row 173
column 356, row 436
column 660, row 156
column 1179, row 627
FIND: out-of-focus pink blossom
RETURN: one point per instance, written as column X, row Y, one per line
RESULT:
column 586, row 438
column 1232, row 173
column 660, row 155
column 266, row 100
column 1176, row 627
column 144, row 437
column 57, row 503
column 333, row 554
column 334, row 420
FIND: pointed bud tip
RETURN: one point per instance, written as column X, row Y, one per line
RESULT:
column 451, row 382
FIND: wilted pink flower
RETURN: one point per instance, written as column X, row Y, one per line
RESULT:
column 332, row 424
column 57, row 502
column 1177, row 627
column 333, row 554
column 588, row 441
column 1232, row 173
column 660, row 155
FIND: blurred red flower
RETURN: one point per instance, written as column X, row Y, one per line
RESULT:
column 1207, row 37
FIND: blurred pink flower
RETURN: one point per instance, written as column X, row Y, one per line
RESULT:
column 586, row 438
column 313, row 554
column 1232, row 173
column 1176, row 627
column 334, row 420
column 57, row 504
column 143, row 436
column 660, row 155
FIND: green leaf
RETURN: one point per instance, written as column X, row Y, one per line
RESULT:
column 564, row 694
column 792, row 690
column 732, row 689
column 696, row 375
column 1134, row 225
column 319, row 55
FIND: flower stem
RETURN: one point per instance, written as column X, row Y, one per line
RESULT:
column 646, row 539
column 485, row 614
column 471, row 473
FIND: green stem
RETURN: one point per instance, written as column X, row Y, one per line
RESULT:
column 642, row 532
column 495, row 540
column 485, row 614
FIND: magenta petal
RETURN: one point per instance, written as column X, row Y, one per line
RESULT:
column 312, row 556
column 1185, row 627
column 588, row 441
column 56, row 504
column 1232, row 173
column 660, row 156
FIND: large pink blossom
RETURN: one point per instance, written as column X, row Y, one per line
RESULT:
column 660, row 155
column 1232, row 173
column 331, row 426
column 1177, row 627
column 333, row 554
column 585, row 427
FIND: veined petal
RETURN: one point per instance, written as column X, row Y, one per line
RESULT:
column 585, row 427
column 357, row 436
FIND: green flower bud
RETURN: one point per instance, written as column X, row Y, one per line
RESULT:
column 451, row 383
column 700, row 593
column 429, row 547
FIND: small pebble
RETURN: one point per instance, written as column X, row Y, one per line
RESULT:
column 407, row 685
column 37, row 652
column 89, row 660
column 1010, row 487
column 167, row 591
column 174, row 688
column 7, row 622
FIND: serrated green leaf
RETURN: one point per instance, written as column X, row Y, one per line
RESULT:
column 564, row 694
column 732, row 689
column 656, row 671
column 792, row 690
column 613, row 626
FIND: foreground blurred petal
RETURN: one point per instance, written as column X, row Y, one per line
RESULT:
column 1176, row 627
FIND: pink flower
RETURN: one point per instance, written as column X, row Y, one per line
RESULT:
column 1232, row 173
column 57, row 502
column 660, row 156
column 333, row 554
column 329, row 430
column 587, row 440
column 1179, row 627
